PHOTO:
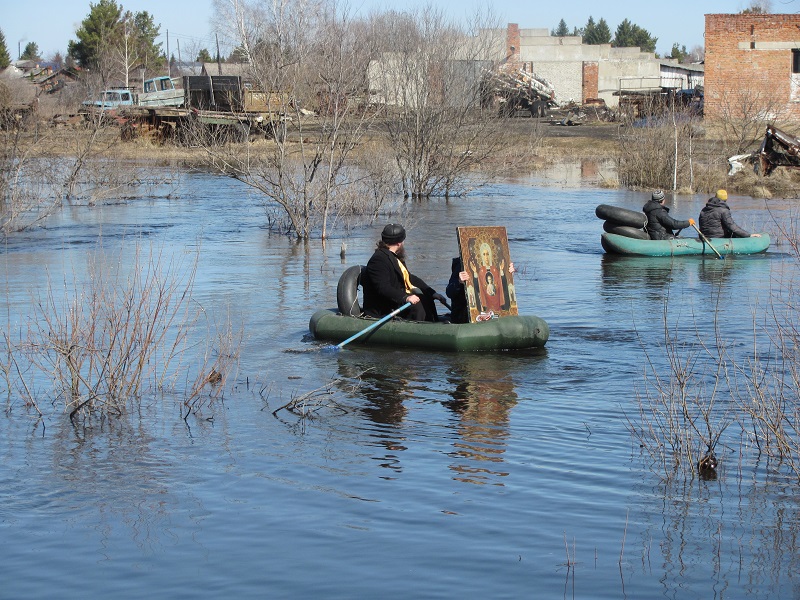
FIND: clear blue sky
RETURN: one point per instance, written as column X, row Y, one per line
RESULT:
column 52, row 23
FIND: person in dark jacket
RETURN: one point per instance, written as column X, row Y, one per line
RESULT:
column 660, row 226
column 387, row 283
column 716, row 220
column 459, row 309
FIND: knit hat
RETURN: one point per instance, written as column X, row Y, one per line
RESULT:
column 393, row 234
column 658, row 195
column 722, row 194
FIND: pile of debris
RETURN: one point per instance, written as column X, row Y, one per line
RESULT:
column 779, row 149
column 518, row 89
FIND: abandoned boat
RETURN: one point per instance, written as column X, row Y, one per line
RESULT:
column 620, row 244
column 344, row 322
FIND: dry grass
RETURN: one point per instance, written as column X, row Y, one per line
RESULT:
column 536, row 143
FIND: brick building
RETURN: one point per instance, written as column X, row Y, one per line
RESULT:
column 752, row 62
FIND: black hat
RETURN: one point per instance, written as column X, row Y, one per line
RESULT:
column 393, row 234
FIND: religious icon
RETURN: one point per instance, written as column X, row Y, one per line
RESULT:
column 490, row 285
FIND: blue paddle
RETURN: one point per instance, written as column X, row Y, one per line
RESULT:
column 378, row 323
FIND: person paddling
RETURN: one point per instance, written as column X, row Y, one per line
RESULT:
column 387, row 283
column 660, row 226
column 716, row 220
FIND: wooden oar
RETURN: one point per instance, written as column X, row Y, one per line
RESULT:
column 705, row 239
column 378, row 323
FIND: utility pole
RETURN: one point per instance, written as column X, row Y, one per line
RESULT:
column 219, row 60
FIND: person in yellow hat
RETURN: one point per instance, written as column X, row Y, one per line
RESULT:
column 716, row 220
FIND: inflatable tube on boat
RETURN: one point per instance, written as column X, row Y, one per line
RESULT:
column 621, row 216
column 347, row 291
column 631, row 232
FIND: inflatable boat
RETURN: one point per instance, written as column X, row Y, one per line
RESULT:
column 680, row 246
column 506, row 333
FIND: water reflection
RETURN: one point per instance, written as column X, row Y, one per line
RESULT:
column 621, row 272
column 116, row 469
column 693, row 532
column 483, row 395
column 385, row 392
column 657, row 273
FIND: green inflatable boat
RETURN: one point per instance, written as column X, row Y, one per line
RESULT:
column 620, row 244
column 344, row 322
column 506, row 333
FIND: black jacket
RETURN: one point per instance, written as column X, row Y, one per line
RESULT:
column 459, row 310
column 660, row 225
column 716, row 221
column 383, row 286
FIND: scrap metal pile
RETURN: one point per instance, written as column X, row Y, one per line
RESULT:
column 779, row 149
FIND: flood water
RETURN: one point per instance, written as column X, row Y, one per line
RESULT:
column 500, row 475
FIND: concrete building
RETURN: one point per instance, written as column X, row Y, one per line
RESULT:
column 752, row 62
column 578, row 71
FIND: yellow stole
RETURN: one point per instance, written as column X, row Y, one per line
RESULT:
column 406, row 278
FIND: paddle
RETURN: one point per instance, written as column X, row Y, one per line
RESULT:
column 705, row 239
column 378, row 323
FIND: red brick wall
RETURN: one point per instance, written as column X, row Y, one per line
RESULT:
column 512, row 47
column 590, row 81
column 737, row 76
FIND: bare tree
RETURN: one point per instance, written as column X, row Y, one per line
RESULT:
column 26, row 184
column 309, row 58
column 697, row 54
column 43, row 166
column 109, row 341
column 758, row 7
column 428, row 75
column 662, row 152
column 744, row 111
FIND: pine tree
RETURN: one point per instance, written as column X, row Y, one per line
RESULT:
column 31, row 52
column 203, row 56
column 596, row 33
column 602, row 32
column 589, row 31
column 135, row 49
column 144, row 34
column 239, row 55
column 100, row 29
column 5, row 59
column 678, row 52
column 629, row 35
column 562, row 30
